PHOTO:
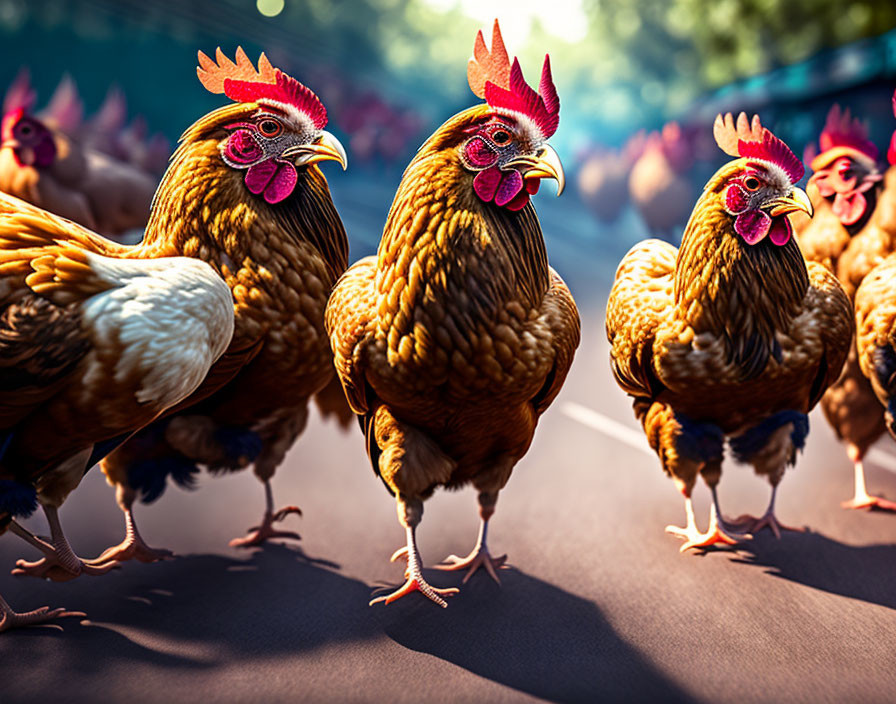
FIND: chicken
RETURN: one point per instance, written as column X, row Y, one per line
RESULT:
column 846, row 236
column 245, row 194
column 42, row 164
column 457, row 336
column 92, row 346
column 657, row 186
column 603, row 178
column 875, row 350
column 733, row 335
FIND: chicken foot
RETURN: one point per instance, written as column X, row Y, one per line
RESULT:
column 693, row 537
column 133, row 547
column 753, row 524
column 10, row 619
column 410, row 514
column 60, row 563
column 480, row 556
column 266, row 531
column 862, row 498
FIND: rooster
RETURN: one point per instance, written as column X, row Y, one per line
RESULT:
column 603, row 178
column 457, row 336
column 245, row 194
column 733, row 335
column 657, row 186
column 849, row 234
column 41, row 163
column 93, row 345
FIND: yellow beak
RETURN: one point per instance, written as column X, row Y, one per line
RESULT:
column 798, row 200
column 545, row 165
column 326, row 147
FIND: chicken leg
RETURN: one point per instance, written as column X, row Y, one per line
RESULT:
column 752, row 524
column 10, row 619
column 862, row 498
column 60, row 562
column 265, row 531
column 410, row 513
column 480, row 556
column 693, row 537
column 133, row 546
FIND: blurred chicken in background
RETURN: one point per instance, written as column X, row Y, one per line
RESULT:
column 658, row 185
column 603, row 177
column 44, row 161
column 853, row 230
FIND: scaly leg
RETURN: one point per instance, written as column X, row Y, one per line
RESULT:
column 10, row 619
column 133, row 546
column 409, row 514
column 693, row 537
column 766, row 520
column 259, row 534
column 60, row 564
column 862, row 498
column 480, row 556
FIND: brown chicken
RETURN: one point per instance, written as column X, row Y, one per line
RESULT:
column 41, row 163
column 93, row 345
column 457, row 336
column 603, row 178
column 733, row 335
column 658, row 187
column 852, row 231
column 245, row 194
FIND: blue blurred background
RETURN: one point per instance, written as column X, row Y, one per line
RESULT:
column 390, row 71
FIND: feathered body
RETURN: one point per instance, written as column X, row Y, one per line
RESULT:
column 453, row 340
column 93, row 345
column 727, row 336
column 853, row 230
column 457, row 327
column 43, row 165
column 280, row 250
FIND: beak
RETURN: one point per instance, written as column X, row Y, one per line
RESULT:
column 545, row 165
column 326, row 147
column 12, row 143
column 798, row 200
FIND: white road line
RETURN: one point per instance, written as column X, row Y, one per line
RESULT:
column 633, row 438
column 606, row 425
column 884, row 459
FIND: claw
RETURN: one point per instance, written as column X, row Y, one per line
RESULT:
column 480, row 557
column 869, row 502
column 261, row 533
column 769, row 520
column 9, row 619
column 50, row 568
column 416, row 585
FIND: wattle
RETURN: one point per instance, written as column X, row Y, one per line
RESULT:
column 274, row 178
column 506, row 188
column 754, row 225
column 849, row 207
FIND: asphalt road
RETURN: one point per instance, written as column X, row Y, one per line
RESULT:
column 598, row 605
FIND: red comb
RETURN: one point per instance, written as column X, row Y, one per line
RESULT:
column 20, row 94
column 241, row 82
column 842, row 130
column 492, row 77
column 749, row 139
column 891, row 152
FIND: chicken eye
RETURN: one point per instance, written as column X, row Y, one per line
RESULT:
column 270, row 128
column 752, row 183
column 501, row 137
column 25, row 130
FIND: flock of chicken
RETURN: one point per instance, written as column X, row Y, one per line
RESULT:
column 201, row 345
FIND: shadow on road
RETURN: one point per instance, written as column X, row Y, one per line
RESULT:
column 532, row 636
column 864, row 572
column 196, row 611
